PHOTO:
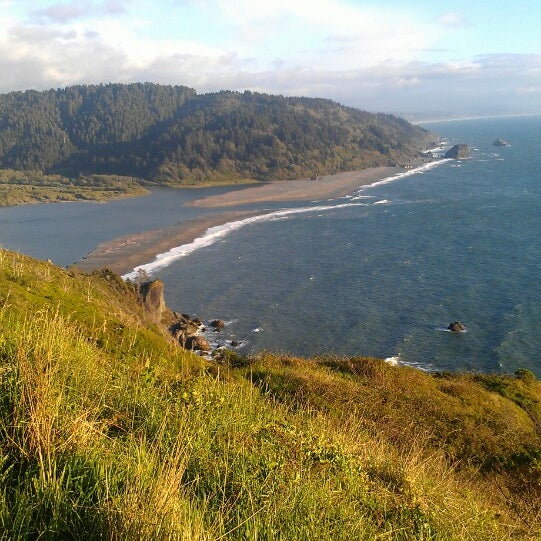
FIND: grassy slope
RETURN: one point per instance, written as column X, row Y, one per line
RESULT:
column 109, row 432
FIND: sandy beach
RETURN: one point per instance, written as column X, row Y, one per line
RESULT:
column 123, row 254
column 325, row 187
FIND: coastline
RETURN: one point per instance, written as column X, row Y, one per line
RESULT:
column 325, row 187
column 125, row 254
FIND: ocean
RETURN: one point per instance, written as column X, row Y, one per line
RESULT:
column 380, row 273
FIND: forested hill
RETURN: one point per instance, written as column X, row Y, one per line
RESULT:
column 170, row 134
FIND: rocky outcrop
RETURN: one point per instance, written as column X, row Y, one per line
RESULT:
column 196, row 342
column 500, row 143
column 182, row 327
column 151, row 295
column 458, row 152
column 217, row 324
column 456, row 326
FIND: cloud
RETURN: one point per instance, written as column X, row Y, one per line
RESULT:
column 453, row 19
column 63, row 12
column 536, row 89
column 329, row 31
column 408, row 82
column 365, row 58
column 77, row 9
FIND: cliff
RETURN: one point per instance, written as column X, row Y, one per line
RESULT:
column 111, row 431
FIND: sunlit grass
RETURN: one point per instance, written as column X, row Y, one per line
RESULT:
column 108, row 432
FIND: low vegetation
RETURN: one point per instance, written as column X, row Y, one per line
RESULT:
column 18, row 187
column 110, row 431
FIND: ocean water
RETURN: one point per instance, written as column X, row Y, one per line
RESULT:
column 385, row 271
column 381, row 272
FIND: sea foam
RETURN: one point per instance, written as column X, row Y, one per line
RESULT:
column 214, row 234
column 415, row 171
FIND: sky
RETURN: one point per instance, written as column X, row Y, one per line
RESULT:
column 412, row 57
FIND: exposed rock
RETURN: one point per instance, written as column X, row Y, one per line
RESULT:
column 458, row 152
column 151, row 294
column 197, row 342
column 235, row 343
column 217, row 324
column 183, row 328
column 500, row 143
column 456, row 326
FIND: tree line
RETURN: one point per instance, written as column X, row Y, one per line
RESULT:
column 172, row 135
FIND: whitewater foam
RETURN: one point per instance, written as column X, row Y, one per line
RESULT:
column 415, row 171
column 214, row 234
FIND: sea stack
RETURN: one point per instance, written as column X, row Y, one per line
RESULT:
column 458, row 152
column 500, row 143
column 456, row 326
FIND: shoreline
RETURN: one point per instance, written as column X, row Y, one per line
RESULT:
column 325, row 187
column 125, row 254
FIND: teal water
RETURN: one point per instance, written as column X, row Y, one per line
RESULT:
column 457, row 242
column 380, row 273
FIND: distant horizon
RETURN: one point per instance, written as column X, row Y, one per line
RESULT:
column 414, row 117
column 474, row 117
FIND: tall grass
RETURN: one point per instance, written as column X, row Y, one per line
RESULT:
column 106, row 432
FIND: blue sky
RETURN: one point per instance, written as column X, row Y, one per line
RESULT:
column 452, row 58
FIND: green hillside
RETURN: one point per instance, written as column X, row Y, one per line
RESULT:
column 111, row 431
column 169, row 134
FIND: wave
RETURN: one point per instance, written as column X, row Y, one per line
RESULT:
column 214, row 234
column 397, row 360
column 415, row 171
column 394, row 360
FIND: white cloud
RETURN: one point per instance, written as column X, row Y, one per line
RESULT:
column 62, row 12
column 408, row 82
column 76, row 41
column 453, row 19
column 70, row 10
column 333, row 32
column 362, row 57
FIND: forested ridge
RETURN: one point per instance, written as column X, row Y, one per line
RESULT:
column 170, row 134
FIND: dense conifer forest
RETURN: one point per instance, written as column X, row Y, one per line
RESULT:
column 172, row 135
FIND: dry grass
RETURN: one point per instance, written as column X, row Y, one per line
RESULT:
column 109, row 433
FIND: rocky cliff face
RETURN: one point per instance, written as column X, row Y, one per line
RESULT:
column 458, row 152
column 183, row 328
column 151, row 294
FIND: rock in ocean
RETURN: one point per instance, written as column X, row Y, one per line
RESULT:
column 456, row 326
column 458, row 152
